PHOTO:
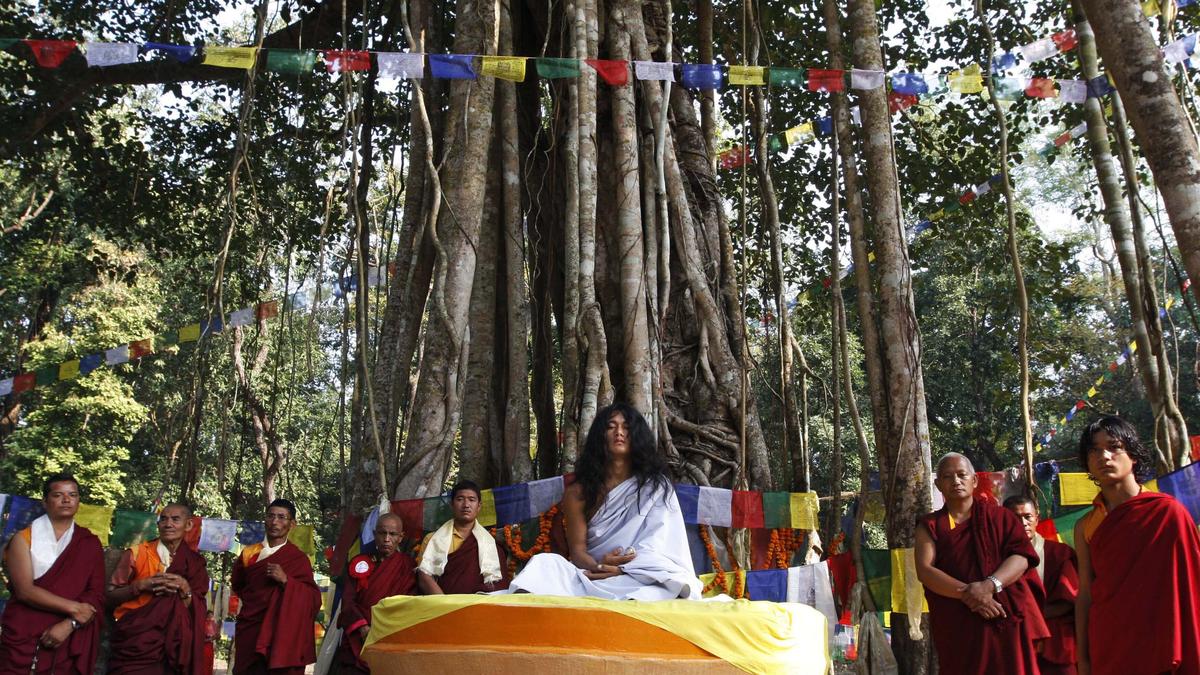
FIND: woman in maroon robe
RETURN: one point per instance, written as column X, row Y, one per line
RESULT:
column 371, row 579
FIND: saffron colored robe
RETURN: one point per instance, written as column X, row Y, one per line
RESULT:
column 275, row 625
column 159, row 633
column 462, row 573
column 1061, row 581
column 967, row 643
column 1145, row 614
column 78, row 575
column 394, row 575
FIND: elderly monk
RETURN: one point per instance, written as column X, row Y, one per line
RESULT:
column 1057, row 571
column 372, row 578
column 460, row 556
column 975, row 560
column 1139, row 564
column 158, row 589
column 56, row 577
column 279, row 601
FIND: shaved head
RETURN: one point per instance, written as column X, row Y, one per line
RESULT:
column 392, row 519
column 954, row 455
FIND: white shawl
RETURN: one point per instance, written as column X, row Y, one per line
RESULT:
column 44, row 546
column 437, row 551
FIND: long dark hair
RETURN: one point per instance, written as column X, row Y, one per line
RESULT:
column 1115, row 427
column 644, row 461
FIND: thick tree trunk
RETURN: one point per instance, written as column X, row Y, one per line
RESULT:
column 1132, row 56
column 1117, row 213
column 906, row 486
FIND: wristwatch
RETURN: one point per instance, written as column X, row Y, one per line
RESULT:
column 996, row 582
column 74, row 624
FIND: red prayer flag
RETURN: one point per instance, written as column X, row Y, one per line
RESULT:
column 351, row 527
column 51, row 53
column 1062, row 139
column 141, row 348
column 1041, row 87
column 266, row 310
column 898, row 101
column 412, row 512
column 967, row 198
column 1195, row 448
column 1065, row 40
column 746, row 509
column 826, row 80
column 339, row 60
column 23, row 382
column 615, row 73
column 733, row 158
column 1047, row 529
column 192, row 537
column 1079, row 405
column 760, row 542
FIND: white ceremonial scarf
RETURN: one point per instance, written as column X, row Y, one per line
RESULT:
column 44, row 548
column 437, row 551
column 1039, row 545
column 164, row 556
column 268, row 550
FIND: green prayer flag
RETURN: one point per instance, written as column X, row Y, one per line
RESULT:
column 1065, row 524
column 775, row 143
column 5, row 43
column 551, row 68
column 435, row 512
column 1047, row 506
column 952, row 207
column 130, row 528
column 1009, row 88
column 777, row 509
column 291, row 61
column 167, row 339
column 877, row 565
column 46, row 375
column 787, row 77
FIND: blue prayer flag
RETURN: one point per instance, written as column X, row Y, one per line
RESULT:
column 213, row 325
column 1099, row 86
column 251, row 532
column 922, row 226
column 512, row 504
column 452, row 66
column 90, row 362
column 1071, row 414
column 825, row 126
column 1004, row 62
column 768, row 585
column 181, row 53
column 21, row 512
column 703, row 76
column 1184, row 485
column 689, row 501
column 909, row 83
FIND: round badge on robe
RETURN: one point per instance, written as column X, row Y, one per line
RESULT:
column 360, row 567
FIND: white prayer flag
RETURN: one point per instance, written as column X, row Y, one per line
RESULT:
column 1037, row 51
column 400, row 65
column 242, row 317
column 1079, row 130
column 6, row 386
column 217, row 534
column 1072, row 91
column 110, row 53
column 654, row 70
column 856, row 115
column 715, row 507
column 116, row 355
column 545, row 493
column 866, row 79
column 983, row 188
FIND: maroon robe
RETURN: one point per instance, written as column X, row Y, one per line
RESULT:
column 966, row 642
column 164, row 635
column 1145, row 614
column 394, row 575
column 462, row 573
column 77, row 575
column 275, row 625
column 1061, row 581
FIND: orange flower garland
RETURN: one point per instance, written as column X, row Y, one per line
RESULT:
column 739, row 589
column 784, row 542
column 512, row 536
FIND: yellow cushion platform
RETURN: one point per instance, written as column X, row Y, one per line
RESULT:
column 517, row 633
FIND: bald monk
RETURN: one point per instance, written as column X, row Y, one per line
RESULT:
column 1139, row 564
column 56, row 577
column 460, row 556
column 279, row 598
column 372, row 578
column 1061, row 582
column 985, row 603
column 158, row 589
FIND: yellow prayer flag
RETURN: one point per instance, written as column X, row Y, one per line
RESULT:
column 1132, row 347
column 1091, row 392
column 732, row 579
column 98, row 519
column 750, row 75
column 969, row 80
column 907, row 591
column 1076, row 489
column 69, row 370
column 871, row 256
column 797, row 134
column 487, row 509
column 510, row 68
column 1150, row 7
column 189, row 333
column 302, row 537
column 231, row 57
column 1170, row 301
column 1150, row 485
column 1099, row 381
column 937, row 215
column 804, row 510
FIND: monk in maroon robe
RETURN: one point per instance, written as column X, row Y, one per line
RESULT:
column 1139, row 565
column 159, row 588
column 279, row 601
column 977, row 567
column 57, row 587
column 462, row 572
column 372, row 578
column 1059, row 577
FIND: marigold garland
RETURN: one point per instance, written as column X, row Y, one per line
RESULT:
column 739, row 587
column 784, row 542
column 512, row 536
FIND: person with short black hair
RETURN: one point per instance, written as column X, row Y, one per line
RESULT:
column 1139, row 564
column 1058, row 573
column 56, row 575
column 461, row 556
column 279, row 601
